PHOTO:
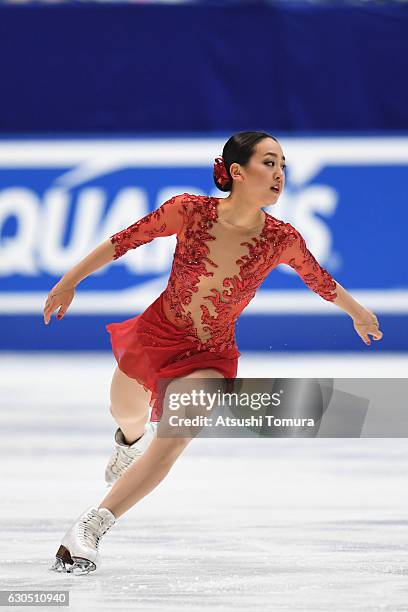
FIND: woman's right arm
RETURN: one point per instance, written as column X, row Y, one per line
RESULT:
column 165, row 221
column 62, row 294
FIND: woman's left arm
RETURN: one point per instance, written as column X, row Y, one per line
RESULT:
column 297, row 256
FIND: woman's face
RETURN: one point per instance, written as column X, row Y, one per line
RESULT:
column 264, row 175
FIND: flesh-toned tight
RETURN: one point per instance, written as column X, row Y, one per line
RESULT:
column 130, row 409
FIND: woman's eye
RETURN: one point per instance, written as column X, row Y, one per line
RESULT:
column 272, row 162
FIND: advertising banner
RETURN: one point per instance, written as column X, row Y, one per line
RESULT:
column 60, row 198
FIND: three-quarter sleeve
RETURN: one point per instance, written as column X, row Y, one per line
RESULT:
column 297, row 256
column 164, row 221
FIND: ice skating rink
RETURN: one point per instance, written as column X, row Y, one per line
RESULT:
column 244, row 524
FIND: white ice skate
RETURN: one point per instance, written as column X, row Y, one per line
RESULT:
column 125, row 454
column 78, row 553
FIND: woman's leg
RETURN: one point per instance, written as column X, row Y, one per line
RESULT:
column 129, row 405
column 150, row 469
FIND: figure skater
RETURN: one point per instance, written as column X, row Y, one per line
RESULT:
column 225, row 249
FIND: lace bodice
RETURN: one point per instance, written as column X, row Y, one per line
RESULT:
column 217, row 267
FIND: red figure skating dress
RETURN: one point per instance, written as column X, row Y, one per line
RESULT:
column 217, row 268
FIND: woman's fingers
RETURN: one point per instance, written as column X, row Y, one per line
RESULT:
column 61, row 313
column 375, row 332
column 365, row 338
column 51, row 306
column 60, row 299
column 365, row 330
column 360, row 329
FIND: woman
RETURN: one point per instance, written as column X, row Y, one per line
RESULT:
column 225, row 249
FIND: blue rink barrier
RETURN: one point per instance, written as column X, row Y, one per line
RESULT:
column 60, row 198
column 265, row 333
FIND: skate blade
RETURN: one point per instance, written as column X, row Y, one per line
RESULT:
column 64, row 563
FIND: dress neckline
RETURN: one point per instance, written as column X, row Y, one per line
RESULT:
column 238, row 227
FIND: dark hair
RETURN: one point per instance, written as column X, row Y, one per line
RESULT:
column 239, row 149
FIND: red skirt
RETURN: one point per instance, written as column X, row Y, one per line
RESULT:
column 149, row 347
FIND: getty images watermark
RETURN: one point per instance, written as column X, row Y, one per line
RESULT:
column 201, row 399
column 284, row 407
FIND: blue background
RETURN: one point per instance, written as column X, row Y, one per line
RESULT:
column 154, row 69
column 210, row 70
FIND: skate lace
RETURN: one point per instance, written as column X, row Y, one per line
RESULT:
column 122, row 459
column 90, row 529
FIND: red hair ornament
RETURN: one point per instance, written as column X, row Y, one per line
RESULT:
column 220, row 172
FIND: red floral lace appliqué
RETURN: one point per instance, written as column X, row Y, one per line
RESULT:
column 189, row 265
column 317, row 278
column 192, row 218
column 240, row 289
column 127, row 239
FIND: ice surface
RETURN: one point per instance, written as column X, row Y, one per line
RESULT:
column 271, row 524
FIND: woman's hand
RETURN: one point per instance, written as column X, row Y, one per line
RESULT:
column 59, row 296
column 367, row 324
